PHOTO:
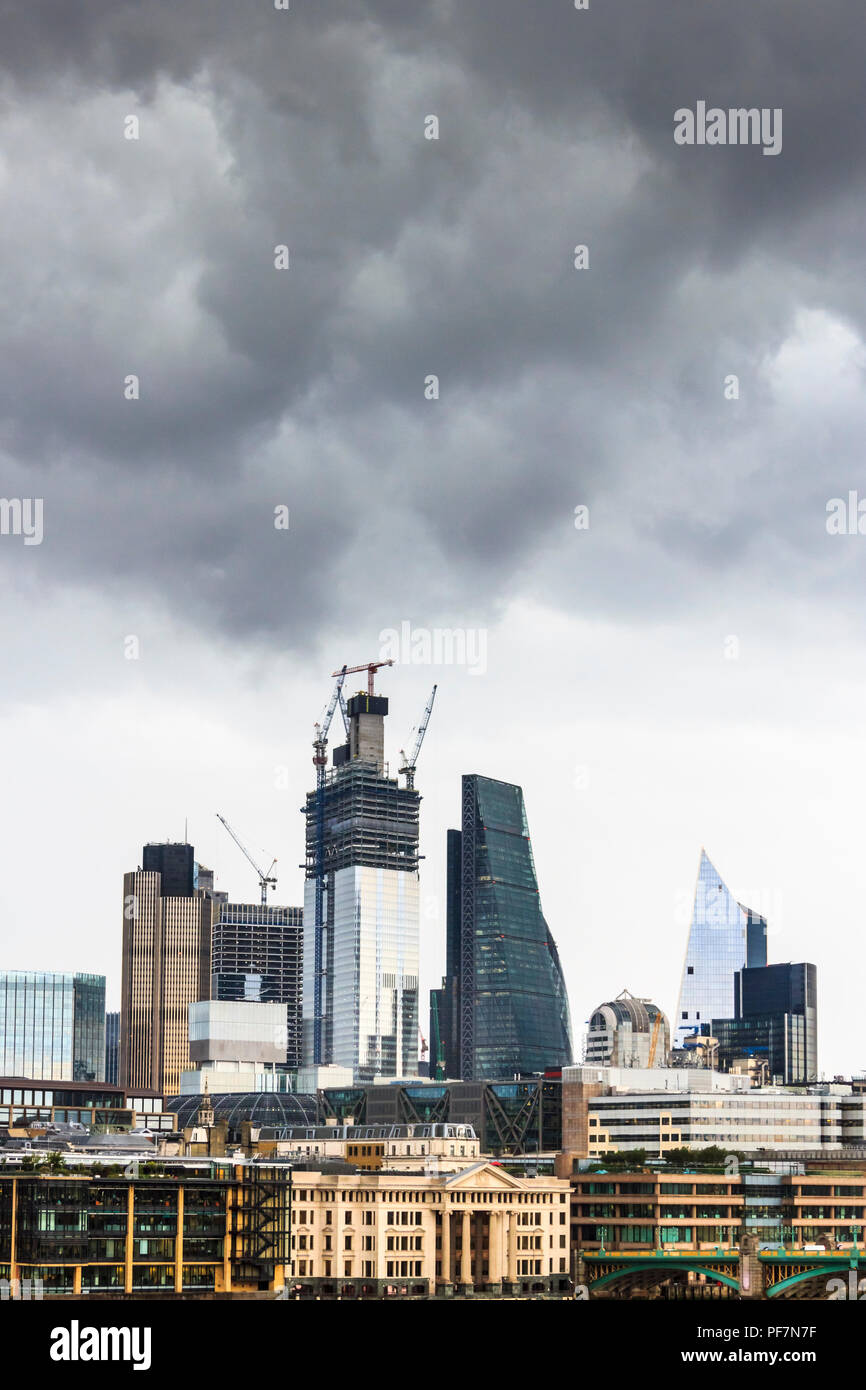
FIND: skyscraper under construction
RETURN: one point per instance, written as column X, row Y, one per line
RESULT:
column 360, row 995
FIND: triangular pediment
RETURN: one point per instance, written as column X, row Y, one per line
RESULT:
column 483, row 1175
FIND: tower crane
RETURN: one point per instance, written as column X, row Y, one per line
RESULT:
column 437, row 1057
column 654, row 1040
column 265, row 879
column 320, row 762
column 371, row 668
column 320, row 742
column 409, row 764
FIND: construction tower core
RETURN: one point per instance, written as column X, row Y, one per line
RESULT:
column 362, row 842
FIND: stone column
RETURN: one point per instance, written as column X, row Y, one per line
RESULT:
column 446, row 1245
column 466, row 1251
column 511, row 1246
column 494, row 1262
column 503, row 1244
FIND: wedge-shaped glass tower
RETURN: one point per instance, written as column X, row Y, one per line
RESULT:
column 503, row 1008
column 724, row 936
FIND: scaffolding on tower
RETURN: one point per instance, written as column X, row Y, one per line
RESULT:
column 320, row 762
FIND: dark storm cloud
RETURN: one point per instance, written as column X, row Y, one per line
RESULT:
column 410, row 258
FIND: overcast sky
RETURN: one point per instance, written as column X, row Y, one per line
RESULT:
column 688, row 670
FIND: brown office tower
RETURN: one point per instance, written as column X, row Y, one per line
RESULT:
column 166, row 967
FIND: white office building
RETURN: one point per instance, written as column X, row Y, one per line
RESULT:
column 667, row 1108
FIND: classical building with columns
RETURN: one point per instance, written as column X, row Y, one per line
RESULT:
column 205, row 1227
column 481, row 1231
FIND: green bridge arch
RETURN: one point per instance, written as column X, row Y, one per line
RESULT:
column 836, row 1270
column 665, row 1266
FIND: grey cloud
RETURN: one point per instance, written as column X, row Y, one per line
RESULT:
column 409, row 258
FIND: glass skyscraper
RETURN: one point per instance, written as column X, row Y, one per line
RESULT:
column 52, row 1025
column 360, row 993
column 112, row 1048
column 724, row 937
column 503, row 1008
column 775, row 1023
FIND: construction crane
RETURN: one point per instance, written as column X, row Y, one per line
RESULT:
column 320, row 742
column 654, row 1040
column 371, row 668
column 265, row 879
column 437, row 1057
column 408, row 765
column 345, row 713
column 320, row 762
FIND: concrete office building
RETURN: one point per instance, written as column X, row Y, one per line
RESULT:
column 165, row 967
column 235, row 1045
column 52, row 1025
column 257, row 954
column 622, row 1109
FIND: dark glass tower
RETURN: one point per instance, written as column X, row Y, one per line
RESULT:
column 776, row 1022
column 176, row 864
column 503, row 1007
column 112, row 1048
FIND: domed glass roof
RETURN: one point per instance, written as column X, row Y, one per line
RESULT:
column 261, row 1107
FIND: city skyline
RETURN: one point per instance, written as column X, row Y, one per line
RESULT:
column 433, row 901
column 636, row 487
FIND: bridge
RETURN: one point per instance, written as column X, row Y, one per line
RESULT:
column 784, row 1274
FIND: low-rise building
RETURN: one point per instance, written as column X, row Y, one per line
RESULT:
column 30, row 1104
column 199, row 1227
column 622, row 1109
column 481, row 1231
column 510, row 1116
column 701, row 1211
column 447, row 1148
